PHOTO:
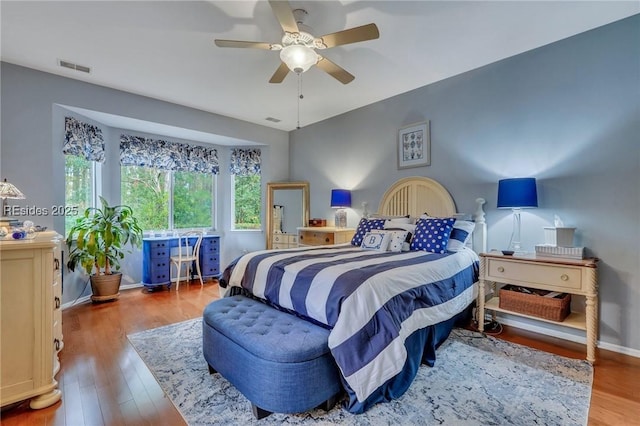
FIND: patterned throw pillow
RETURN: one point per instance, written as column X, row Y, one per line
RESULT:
column 378, row 241
column 398, row 238
column 460, row 235
column 432, row 234
column 365, row 226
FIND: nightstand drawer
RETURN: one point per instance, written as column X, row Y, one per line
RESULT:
column 312, row 238
column 558, row 277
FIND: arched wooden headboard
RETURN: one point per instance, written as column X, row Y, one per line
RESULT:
column 417, row 195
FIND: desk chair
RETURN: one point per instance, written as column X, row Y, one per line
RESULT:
column 187, row 254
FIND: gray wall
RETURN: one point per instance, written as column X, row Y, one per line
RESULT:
column 567, row 113
column 31, row 150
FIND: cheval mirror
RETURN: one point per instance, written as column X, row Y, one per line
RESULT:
column 287, row 209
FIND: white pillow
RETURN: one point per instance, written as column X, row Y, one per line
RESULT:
column 397, row 220
column 460, row 235
column 397, row 240
column 399, row 225
column 378, row 241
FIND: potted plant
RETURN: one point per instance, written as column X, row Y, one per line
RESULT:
column 97, row 241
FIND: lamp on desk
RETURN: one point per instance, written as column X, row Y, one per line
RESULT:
column 8, row 190
column 340, row 199
column 517, row 194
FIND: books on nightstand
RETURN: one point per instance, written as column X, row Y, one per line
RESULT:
column 556, row 251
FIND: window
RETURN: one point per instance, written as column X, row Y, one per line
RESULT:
column 193, row 200
column 246, row 188
column 146, row 191
column 247, row 201
column 84, row 153
column 169, row 185
column 81, row 184
column 157, row 195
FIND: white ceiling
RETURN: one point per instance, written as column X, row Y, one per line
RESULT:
column 165, row 49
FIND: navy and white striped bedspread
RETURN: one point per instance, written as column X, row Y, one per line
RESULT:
column 372, row 301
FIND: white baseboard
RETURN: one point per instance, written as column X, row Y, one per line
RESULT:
column 514, row 322
column 87, row 298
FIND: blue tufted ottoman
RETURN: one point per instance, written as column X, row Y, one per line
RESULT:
column 279, row 362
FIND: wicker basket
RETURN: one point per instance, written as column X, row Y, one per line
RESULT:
column 550, row 308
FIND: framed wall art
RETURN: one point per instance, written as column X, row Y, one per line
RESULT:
column 414, row 145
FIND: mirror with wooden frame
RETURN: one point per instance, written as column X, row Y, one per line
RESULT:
column 287, row 210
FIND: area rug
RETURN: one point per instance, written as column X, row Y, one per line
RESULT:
column 476, row 381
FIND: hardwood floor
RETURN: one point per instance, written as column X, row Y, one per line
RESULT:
column 104, row 381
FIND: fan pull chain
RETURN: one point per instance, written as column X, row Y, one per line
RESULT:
column 300, row 96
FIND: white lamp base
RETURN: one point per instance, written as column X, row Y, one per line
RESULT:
column 341, row 218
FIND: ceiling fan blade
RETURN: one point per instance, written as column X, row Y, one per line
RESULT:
column 353, row 35
column 284, row 15
column 335, row 71
column 239, row 43
column 280, row 73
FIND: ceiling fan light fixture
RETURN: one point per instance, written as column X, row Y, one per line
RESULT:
column 299, row 58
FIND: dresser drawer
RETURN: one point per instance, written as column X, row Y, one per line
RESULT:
column 312, row 238
column 160, row 272
column 210, row 245
column 210, row 270
column 556, row 276
column 285, row 239
column 280, row 239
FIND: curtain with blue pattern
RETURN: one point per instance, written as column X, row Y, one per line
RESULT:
column 245, row 162
column 159, row 154
column 83, row 140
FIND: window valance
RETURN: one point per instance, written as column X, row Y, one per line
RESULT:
column 245, row 162
column 159, row 154
column 83, row 140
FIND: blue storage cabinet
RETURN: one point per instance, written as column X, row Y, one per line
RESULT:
column 156, row 262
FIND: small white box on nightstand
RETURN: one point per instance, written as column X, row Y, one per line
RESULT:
column 556, row 236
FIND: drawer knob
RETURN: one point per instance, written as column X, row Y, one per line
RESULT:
column 564, row 277
column 500, row 268
column 57, row 302
column 56, row 344
column 56, row 264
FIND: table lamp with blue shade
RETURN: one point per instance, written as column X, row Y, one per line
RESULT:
column 517, row 194
column 340, row 199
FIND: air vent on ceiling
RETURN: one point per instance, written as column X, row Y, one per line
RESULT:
column 275, row 120
column 72, row 66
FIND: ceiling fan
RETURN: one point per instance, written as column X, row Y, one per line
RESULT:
column 298, row 46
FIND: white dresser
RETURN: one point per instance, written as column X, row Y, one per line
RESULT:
column 283, row 241
column 30, row 320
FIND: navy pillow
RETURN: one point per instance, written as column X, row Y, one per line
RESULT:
column 432, row 234
column 365, row 225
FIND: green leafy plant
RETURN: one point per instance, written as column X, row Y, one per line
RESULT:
column 98, row 238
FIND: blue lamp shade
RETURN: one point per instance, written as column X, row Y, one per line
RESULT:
column 340, row 198
column 517, row 193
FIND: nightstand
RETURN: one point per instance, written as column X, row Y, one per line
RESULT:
column 319, row 236
column 574, row 276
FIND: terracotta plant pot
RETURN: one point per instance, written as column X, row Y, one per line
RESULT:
column 105, row 287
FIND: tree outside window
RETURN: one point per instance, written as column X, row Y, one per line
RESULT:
column 79, row 187
column 157, row 195
column 247, row 205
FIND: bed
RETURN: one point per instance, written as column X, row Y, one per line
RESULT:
column 387, row 312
